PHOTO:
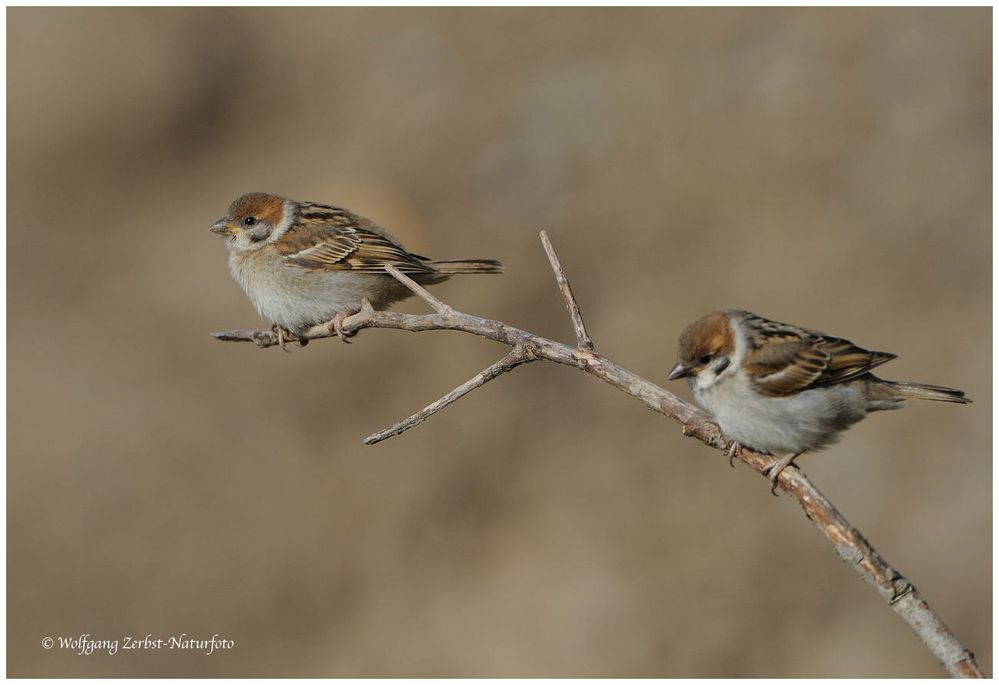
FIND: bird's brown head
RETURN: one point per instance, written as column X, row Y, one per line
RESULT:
column 707, row 343
column 253, row 218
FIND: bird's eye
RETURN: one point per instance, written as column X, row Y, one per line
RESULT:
column 705, row 359
column 250, row 220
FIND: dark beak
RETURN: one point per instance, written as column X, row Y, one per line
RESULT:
column 679, row 371
column 222, row 227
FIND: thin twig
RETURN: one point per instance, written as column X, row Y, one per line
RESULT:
column 851, row 546
column 582, row 337
column 515, row 358
column 420, row 291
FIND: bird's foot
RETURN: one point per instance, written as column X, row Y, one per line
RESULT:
column 285, row 336
column 733, row 450
column 774, row 470
column 337, row 324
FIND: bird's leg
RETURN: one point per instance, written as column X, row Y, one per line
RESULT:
column 733, row 450
column 774, row 470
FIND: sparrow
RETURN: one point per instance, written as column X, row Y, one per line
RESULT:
column 783, row 390
column 305, row 263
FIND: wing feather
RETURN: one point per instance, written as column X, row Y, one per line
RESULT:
column 334, row 239
column 783, row 360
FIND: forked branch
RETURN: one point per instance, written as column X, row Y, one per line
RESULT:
column 851, row 546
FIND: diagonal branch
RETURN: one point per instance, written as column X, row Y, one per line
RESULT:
column 849, row 544
column 517, row 356
column 582, row 338
column 420, row 291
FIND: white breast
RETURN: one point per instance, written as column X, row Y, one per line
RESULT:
column 803, row 422
column 296, row 298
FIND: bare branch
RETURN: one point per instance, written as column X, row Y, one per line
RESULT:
column 261, row 338
column 582, row 338
column 515, row 358
column 900, row 594
column 420, row 291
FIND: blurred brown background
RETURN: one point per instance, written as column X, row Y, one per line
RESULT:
column 825, row 167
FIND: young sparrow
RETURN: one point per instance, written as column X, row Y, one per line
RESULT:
column 784, row 390
column 304, row 263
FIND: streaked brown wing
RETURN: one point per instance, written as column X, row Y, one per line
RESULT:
column 847, row 361
column 784, row 359
column 334, row 239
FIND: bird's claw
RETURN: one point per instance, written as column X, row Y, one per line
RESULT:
column 776, row 468
column 733, row 450
column 284, row 336
column 338, row 326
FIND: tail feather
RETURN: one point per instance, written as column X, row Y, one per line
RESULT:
column 924, row 391
column 467, row 266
